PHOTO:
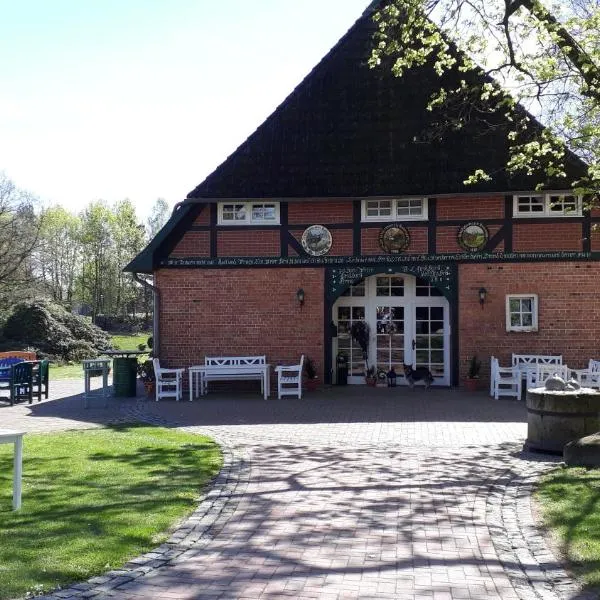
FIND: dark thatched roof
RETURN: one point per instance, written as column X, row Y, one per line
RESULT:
column 351, row 131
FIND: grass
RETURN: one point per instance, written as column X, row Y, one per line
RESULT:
column 130, row 342
column 94, row 499
column 569, row 498
column 120, row 342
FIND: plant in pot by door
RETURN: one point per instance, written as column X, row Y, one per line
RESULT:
column 472, row 380
column 311, row 381
column 146, row 372
column 371, row 376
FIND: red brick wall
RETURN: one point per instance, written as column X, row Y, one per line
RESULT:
column 595, row 240
column 527, row 236
column 321, row 212
column 248, row 242
column 240, row 312
column 471, row 209
column 204, row 217
column 569, row 312
column 193, row 243
column 546, row 237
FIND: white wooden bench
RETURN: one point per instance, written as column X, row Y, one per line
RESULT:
column 231, row 368
column 528, row 365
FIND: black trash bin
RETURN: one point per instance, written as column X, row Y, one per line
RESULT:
column 342, row 369
column 124, row 376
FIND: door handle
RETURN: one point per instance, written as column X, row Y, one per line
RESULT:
column 413, row 344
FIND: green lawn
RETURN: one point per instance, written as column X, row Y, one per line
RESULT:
column 570, row 501
column 94, row 499
column 120, row 342
column 131, row 342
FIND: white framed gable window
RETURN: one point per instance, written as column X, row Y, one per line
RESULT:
column 521, row 312
column 248, row 213
column 398, row 209
column 547, row 205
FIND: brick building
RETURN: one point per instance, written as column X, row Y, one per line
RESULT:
column 341, row 198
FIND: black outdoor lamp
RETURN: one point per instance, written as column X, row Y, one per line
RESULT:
column 391, row 378
column 300, row 296
column 482, row 296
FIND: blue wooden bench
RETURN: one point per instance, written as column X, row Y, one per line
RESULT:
column 5, row 365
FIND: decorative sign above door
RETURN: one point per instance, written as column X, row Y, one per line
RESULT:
column 473, row 236
column 316, row 240
column 394, row 238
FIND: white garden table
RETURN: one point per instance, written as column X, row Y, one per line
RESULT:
column 8, row 436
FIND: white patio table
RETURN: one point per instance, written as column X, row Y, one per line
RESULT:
column 198, row 381
column 9, row 436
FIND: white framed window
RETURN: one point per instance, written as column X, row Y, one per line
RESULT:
column 248, row 213
column 547, row 205
column 521, row 312
column 398, row 209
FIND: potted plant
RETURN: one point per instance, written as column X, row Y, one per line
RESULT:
column 146, row 373
column 371, row 376
column 312, row 380
column 472, row 379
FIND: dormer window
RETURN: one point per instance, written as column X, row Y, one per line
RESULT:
column 547, row 205
column 248, row 213
column 397, row 209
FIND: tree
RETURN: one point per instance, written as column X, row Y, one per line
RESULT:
column 159, row 216
column 545, row 59
column 97, row 250
column 59, row 253
column 19, row 229
column 129, row 239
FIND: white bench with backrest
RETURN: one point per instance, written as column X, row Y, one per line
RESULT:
column 530, row 364
column 231, row 368
column 589, row 377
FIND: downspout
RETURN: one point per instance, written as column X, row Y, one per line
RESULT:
column 155, row 312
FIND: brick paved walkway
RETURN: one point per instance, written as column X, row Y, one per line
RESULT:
column 349, row 493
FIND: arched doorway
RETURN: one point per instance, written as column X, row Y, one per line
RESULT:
column 409, row 320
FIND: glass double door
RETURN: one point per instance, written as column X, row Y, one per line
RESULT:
column 408, row 324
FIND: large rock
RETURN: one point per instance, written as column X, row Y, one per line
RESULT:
column 54, row 331
column 584, row 452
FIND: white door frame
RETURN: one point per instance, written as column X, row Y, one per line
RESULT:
column 410, row 302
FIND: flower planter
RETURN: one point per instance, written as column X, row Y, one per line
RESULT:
column 471, row 384
column 371, row 381
column 149, row 386
column 312, row 384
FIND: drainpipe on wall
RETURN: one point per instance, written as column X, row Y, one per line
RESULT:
column 155, row 309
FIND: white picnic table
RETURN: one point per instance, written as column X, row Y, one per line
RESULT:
column 199, row 375
column 10, row 436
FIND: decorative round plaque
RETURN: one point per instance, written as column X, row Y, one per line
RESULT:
column 316, row 240
column 473, row 236
column 394, row 239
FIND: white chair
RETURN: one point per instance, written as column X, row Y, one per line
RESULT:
column 289, row 379
column 543, row 372
column 505, row 381
column 168, row 381
column 493, row 364
column 589, row 377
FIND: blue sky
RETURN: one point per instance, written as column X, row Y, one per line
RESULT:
column 140, row 99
